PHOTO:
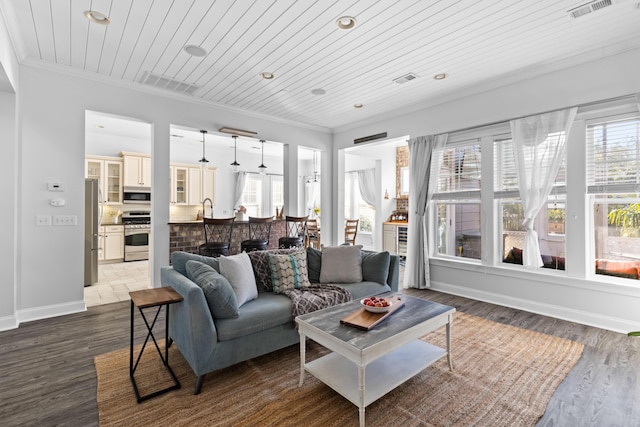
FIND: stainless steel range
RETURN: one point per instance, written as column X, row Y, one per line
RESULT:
column 137, row 232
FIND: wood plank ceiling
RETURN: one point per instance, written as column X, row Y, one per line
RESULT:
column 478, row 44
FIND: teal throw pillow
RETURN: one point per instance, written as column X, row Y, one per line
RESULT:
column 375, row 266
column 288, row 271
column 179, row 261
column 218, row 292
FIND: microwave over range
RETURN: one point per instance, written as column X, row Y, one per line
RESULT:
column 140, row 195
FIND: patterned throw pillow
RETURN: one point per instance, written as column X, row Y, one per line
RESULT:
column 288, row 271
column 261, row 269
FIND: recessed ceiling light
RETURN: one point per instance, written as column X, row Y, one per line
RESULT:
column 358, row 105
column 440, row 76
column 346, row 22
column 267, row 75
column 318, row 91
column 194, row 50
column 97, row 17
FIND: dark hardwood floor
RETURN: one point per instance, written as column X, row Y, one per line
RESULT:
column 47, row 375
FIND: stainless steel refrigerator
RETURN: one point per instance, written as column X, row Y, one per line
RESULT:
column 92, row 218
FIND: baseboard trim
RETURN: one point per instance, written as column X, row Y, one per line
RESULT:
column 8, row 322
column 48, row 311
column 586, row 318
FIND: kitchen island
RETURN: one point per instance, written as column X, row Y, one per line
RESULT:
column 188, row 235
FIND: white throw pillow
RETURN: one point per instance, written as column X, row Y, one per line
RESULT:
column 341, row 264
column 238, row 271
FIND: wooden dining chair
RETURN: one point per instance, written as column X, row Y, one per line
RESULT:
column 313, row 234
column 350, row 231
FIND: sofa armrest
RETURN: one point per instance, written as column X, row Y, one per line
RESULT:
column 394, row 272
column 190, row 323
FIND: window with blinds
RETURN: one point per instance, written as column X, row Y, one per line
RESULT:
column 459, row 175
column 505, row 178
column 613, row 156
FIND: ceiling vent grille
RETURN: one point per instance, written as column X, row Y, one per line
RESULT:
column 588, row 8
column 162, row 82
column 405, row 78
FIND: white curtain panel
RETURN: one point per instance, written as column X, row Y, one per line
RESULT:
column 424, row 159
column 539, row 143
column 311, row 190
column 241, row 180
column 367, row 185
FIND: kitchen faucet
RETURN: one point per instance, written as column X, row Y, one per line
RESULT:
column 204, row 207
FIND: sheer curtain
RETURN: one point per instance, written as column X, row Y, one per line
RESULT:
column 312, row 189
column 367, row 185
column 424, row 159
column 241, row 180
column 539, row 143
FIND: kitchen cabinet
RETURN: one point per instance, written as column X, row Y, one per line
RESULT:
column 179, row 184
column 111, row 243
column 108, row 172
column 137, row 169
column 394, row 237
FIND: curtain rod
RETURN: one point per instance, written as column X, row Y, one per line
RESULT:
column 268, row 174
column 588, row 104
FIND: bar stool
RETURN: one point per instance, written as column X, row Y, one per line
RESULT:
column 259, row 234
column 296, row 228
column 217, row 236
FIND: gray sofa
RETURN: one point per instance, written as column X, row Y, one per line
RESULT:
column 263, row 325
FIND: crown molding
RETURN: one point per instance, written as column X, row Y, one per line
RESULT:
column 100, row 78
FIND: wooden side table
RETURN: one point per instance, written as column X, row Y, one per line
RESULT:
column 147, row 298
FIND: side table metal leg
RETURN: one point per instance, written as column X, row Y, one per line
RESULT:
column 449, row 357
column 131, row 343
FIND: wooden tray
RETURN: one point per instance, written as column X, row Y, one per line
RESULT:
column 366, row 320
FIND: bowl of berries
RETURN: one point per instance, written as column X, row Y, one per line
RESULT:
column 376, row 304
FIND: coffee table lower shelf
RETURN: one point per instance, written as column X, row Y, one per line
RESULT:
column 381, row 375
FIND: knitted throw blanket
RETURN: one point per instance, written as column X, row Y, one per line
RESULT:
column 315, row 297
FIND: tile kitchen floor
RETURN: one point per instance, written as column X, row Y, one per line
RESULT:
column 115, row 281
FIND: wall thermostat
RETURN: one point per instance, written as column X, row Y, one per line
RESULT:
column 55, row 186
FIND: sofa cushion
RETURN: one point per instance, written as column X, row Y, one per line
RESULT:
column 179, row 261
column 238, row 271
column 341, row 264
column 375, row 266
column 264, row 312
column 261, row 269
column 314, row 263
column 364, row 289
column 217, row 290
column 288, row 271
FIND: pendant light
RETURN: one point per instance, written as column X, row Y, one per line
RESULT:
column 235, row 165
column 203, row 161
column 262, row 169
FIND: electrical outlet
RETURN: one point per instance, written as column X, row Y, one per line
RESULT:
column 65, row 220
column 43, row 220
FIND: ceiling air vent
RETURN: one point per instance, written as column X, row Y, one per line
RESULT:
column 162, row 82
column 405, row 78
column 590, row 7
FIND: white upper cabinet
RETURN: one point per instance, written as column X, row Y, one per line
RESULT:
column 137, row 169
column 108, row 172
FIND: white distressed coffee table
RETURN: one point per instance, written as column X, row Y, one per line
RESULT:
column 392, row 349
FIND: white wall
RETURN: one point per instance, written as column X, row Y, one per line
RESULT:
column 51, row 112
column 601, row 304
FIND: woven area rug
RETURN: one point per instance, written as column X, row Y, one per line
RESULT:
column 503, row 376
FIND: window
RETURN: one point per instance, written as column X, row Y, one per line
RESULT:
column 550, row 222
column 252, row 195
column 613, row 179
column 355, row 207
column 457, row 201
column 277, row 192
